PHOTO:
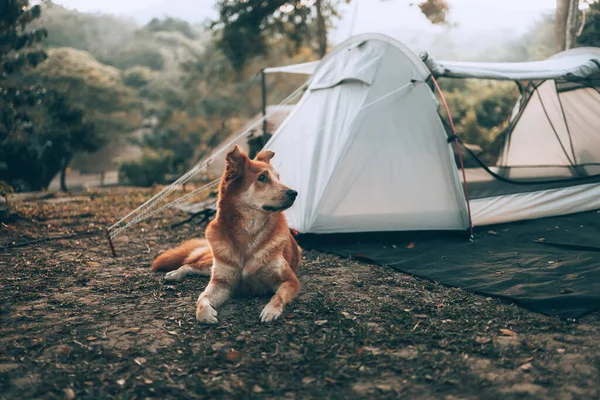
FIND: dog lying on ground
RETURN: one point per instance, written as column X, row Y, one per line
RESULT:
column 248, row 248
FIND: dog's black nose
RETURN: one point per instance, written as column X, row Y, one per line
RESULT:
column 291, row 193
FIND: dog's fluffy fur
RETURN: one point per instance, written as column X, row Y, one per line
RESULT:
column 248, row 246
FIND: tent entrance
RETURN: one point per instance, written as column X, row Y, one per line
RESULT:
column 554, row 132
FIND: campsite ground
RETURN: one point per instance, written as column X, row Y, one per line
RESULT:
column 77, row 323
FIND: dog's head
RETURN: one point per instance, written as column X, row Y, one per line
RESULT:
column 254, row 184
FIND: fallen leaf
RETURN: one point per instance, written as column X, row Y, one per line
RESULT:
column 384, row 387
column 172, row 333
column 321, row 322
column 147, row 381
column 140, row 361
column 92, row 338
column 483, row 340
column 329, row 380
column 218, row 346
column 492, row 232
column 529, row 345
column 508, row 332
column 307, row 379
column 121, row 382
column 550, row 262
column 257, row 389
column 93, row 264
column 411, row 245
column 233, row 355
column 347, row 315
column 133, row 330
column 373, row 350
column 526, row 367
column 69, row 394
column 560, row 351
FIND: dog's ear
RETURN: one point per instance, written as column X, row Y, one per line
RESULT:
column 265, row 156
column 236, row 162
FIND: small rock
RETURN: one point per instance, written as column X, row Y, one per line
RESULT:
column 121, row 382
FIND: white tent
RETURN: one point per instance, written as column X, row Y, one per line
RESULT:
column 367, row 151
column 553, row 138
column 365, row 147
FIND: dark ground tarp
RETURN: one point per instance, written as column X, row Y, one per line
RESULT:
column 550, row 265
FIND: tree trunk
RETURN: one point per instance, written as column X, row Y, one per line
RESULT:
column 566, row 23
column 321, row 30
column 571, row 28
column 63, row 175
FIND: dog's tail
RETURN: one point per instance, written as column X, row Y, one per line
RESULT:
column 194, row 252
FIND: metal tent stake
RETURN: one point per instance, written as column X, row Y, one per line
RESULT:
column 110, row 244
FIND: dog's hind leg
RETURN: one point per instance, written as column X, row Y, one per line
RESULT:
column 198, row 262
column 185, row 270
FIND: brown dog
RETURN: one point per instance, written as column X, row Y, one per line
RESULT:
column 249, row 247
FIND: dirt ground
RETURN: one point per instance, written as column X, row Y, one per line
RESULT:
column 78, row 323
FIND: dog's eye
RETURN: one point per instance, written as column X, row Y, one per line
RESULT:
column 263, row 178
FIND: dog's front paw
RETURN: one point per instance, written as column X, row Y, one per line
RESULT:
column 270, row 313
column 205, row 313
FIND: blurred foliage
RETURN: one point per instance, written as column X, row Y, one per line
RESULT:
column 480, row 110
column 167, row 150
column 100, row 35
column 40, row 132
column 17, row 44
column 536, row 44
column 40, row 128
column 250, row 28
column 436, row 11
column 172, row 25
column 590, row 36
column 154, row 167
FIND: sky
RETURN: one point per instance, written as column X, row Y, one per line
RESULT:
column 499, row 16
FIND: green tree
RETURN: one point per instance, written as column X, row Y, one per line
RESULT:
column 249, row 28
column 16, row 42
column 42, row 141
column 40, row 130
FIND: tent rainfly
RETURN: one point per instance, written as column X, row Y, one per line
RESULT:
column 367, row 150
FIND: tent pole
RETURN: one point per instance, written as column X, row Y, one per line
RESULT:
column 110, row 243
column 462, row 165
column 263, row 84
